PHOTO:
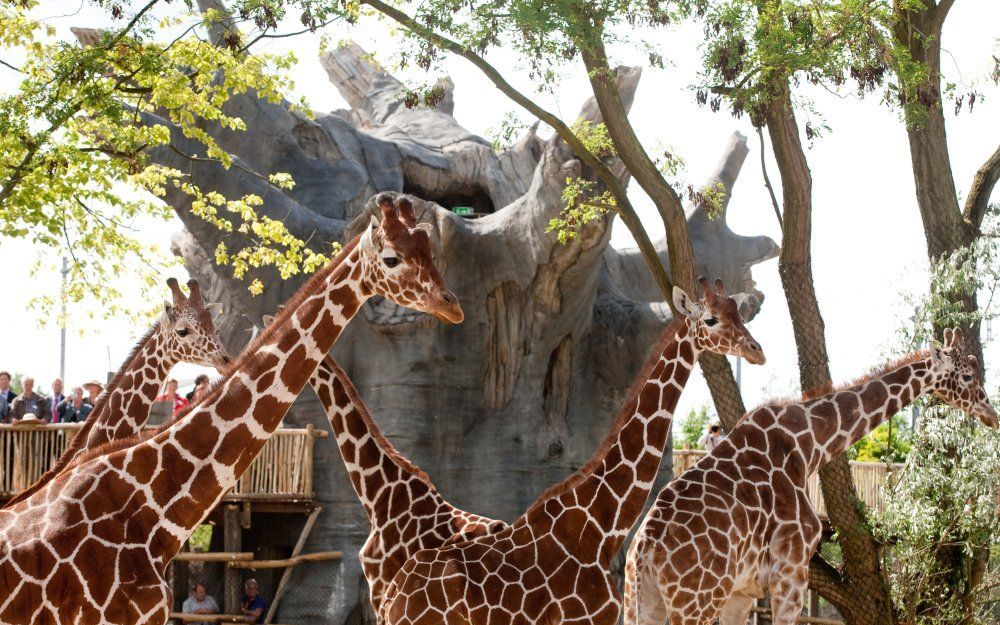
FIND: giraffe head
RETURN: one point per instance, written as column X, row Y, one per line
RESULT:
column 956, row 379
column 399, row 265
column 719, row 325
column 189, row 331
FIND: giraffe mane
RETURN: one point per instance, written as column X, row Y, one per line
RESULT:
column 311, row 287
column 75, row 447
column 875, row 372
column 376, row 432
column 620, row 418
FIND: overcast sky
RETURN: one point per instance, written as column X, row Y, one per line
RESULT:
column 868, row 242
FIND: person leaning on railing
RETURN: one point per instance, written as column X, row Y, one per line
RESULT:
column 28, row 403
column 199, row 602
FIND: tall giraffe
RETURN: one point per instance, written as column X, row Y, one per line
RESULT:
column 92, row 546
column 552, row 565
column 405, row 510
column 740, row 521
column 185, row 332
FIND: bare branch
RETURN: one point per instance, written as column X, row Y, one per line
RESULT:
column 982, row 188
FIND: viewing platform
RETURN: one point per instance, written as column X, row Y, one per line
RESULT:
column 280, row 478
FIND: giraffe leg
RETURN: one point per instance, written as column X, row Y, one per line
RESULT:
column 643, row 604
column 736, row 610
column 788, row 589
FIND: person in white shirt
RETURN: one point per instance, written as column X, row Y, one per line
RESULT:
column 200, row 602
column 712, row 437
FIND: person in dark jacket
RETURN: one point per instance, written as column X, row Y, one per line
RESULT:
column 6, row 396
column 74, row 409
column 28, row 403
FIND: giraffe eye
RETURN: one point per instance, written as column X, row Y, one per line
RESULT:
column 966, row 377
column 182, row 332
column 390, row 261
column 711, row 321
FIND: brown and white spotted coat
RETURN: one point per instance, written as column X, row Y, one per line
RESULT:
column 184, row 333
column 405, row 510
column 740, row 521
column 92, row 546
column 553, row 564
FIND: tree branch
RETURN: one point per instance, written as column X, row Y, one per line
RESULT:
column 767, row 180
column 982, row 188
column 625, row 210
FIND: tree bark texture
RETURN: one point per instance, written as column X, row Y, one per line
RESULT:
column 860, row 590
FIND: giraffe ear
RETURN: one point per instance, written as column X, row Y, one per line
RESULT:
column 938, row 357
column 169, row 313
column 740, row 299
column 367, row 243
column 684, row 304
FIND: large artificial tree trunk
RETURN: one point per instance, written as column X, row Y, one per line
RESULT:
column 518, row 396
column 859, row 590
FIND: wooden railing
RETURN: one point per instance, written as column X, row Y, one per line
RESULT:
column 868, row 478
column 283, row 470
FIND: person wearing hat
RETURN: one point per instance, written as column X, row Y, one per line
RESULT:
column 93, row 388
column 28, row 403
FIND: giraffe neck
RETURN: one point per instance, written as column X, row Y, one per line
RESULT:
column 184, row 471
column 614, row 484
column 842, row 418
column 121, row 410
column 127, row 403
column 373, row 464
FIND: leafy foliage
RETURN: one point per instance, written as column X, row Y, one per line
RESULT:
column 946, row 497
column 889, row 442
column 691, row 429
column 76, row 130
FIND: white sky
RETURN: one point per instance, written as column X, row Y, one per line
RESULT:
column 868, row 243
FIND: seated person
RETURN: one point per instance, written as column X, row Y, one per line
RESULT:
column 253, row 605
column 200, row 602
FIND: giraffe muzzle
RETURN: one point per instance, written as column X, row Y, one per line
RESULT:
column 447, row 308
column 753, row 353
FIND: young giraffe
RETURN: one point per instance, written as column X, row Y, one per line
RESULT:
column 740, row 521
column 184, row 333
column 552, row 565
column 91, row 547
column 405, row 510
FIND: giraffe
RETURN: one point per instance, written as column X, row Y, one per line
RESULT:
column 185, row 332
column 740, row 521
column 405, row 510
column 552, row 564
column 91, row 547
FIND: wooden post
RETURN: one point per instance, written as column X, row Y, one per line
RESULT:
column 287, row 573
column 232, row 537
column 180, row 578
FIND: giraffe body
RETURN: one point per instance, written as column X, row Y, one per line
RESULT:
column 739, row 522
column 91, row 547
column 185, row 332
column 552, row 565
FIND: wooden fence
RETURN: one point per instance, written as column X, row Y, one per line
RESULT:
column 283, row 470
column 868, row 478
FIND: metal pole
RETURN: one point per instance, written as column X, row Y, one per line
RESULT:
column 62, row 322
column 739, row 374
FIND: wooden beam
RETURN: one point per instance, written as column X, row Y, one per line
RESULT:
column 287, row 573
column 319, row 556
column 213, row 556
column 232, row 538
column 208, row 618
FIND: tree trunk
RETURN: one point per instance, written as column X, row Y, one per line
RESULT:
column 860, row 592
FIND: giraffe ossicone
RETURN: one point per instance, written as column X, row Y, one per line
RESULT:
column 740, row 523
column 553, row 563
column 91, row 547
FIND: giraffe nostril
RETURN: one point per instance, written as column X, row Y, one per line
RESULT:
column 449, row 297
column 226, row 360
